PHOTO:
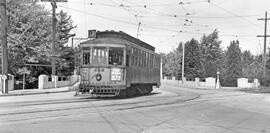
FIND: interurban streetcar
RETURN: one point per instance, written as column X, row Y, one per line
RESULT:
column 115, row 63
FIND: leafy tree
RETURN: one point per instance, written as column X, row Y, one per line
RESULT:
column 29, row 39
column 27, row 32
column 247, row 60
column 268, row 60
column 265, row 81
column 192, row 59
column 65, row 54
column 172, row 62
column 211, row 54
column 233, row 64
column 171, row 65
column 256, row 67
column 178, row 60
column 167, row 69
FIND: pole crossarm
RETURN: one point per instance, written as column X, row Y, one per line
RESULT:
column 263, row 35
column 264, row 19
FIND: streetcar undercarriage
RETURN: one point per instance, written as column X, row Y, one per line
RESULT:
column 117, row 90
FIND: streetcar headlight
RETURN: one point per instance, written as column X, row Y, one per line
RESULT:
column 116, row 74
column 98, row 77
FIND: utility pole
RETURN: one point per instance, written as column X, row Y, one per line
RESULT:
column 265, row 38
column 3, row 40
column 53, row 3
column 54, row 6
column 183, row 62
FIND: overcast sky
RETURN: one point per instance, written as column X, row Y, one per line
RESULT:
column 165, row 23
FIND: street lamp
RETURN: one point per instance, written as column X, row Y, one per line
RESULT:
column 218, row 83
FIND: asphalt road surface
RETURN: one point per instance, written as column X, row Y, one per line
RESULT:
column 170, row 109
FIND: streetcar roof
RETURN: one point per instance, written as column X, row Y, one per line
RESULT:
column 113, row 37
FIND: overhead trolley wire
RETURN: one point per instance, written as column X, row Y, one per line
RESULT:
column 136, row 24
column 243, row 18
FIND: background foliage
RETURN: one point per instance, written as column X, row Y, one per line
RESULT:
column 30, row 39
column 204, row 58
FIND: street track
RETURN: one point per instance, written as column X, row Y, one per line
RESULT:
column 64, row 106
column 82, row 104
column 175, row 110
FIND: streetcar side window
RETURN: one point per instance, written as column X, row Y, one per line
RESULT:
column 146, row 58
column 86, row 57
column 116, row 56
column 127, row 60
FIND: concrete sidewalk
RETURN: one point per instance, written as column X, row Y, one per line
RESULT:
column 41, row 91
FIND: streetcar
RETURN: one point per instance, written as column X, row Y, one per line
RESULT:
column 117, row 64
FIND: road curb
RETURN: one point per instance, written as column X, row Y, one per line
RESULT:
column 67, row 89
column 34, row 93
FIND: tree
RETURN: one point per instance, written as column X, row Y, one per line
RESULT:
column 172, row 62
column 193, row 63
column 247, row 60
column 268, row 61
column 30, row 38
column 265, row 81
column 28, row 35
column 233, row 64
column 65, row 54
column 27, row 32
column 211, row 54
column 178, row 60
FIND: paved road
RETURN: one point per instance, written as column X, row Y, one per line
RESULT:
column 170, row 109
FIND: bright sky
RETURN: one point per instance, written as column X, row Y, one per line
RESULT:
column 165, row 23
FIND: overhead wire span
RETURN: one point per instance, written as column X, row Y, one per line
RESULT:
column 225, row 17
column 243, row 18
column 136, row 24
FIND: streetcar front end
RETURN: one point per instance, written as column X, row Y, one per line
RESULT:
column 103, row 70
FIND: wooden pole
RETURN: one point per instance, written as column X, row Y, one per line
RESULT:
column 3, row 31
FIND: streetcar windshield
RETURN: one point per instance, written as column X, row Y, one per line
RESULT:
column 103, row 56
column 100, row 56
column 96, row 56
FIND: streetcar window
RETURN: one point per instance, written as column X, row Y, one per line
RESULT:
column 86, row 57
column 116, row 56
column 127, row 60
column 139, row 61
column 136, row 61
column 146, row 58
column 100, row 56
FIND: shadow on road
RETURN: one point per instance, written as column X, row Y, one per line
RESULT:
column 117, row 97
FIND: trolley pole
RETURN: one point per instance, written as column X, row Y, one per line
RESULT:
column 139, row 26
column 265, row 38
column 3, row 40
